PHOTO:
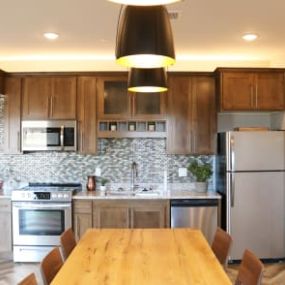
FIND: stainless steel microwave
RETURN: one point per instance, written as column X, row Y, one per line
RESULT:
column 57, row 135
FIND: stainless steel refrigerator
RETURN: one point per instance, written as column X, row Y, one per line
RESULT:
column 251, row 179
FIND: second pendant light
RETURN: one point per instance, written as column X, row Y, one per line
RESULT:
column 147, row 80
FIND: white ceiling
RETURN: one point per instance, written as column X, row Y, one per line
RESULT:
column 207, row 34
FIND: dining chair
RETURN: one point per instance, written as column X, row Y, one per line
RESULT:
column 29, row 280
column 250, row 270
column 221, row 245
column 68, row 242
column 50, row 265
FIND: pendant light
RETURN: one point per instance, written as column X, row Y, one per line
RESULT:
column 147, row 80
column 145, row 2
column 144, row 38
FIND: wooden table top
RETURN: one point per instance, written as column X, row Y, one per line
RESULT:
column 140, row 257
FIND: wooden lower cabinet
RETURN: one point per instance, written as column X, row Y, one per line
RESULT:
column 6, row 225
column 82, row 217
column 150, row 214
column 119, row 214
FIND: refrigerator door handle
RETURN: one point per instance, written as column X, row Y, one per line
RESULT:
column 232, row 190
column 230, row 152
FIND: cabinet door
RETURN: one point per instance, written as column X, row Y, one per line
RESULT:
column 81, row 223
column 179, row 125
column 12, row 123
column 2, row 76
column 270, row 91
column 36, row 97
column 114, row 101
column 237, row 91
column 86, row 114
column 204, row 115
column 63, row 98
column 149, row 105
column 149, row 214
column 82, row 217
column 111, row 214
column 6, row 225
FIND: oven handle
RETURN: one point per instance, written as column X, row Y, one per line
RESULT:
column 41, row 206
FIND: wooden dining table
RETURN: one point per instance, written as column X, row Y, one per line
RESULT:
column 142, row 257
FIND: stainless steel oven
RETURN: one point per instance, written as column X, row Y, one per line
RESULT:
column 57, row 135
column 40, row 216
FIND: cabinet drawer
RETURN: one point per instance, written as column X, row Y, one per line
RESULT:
column 84, row 207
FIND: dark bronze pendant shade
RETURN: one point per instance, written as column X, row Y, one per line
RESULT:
column 144, row 38
column 147, row 80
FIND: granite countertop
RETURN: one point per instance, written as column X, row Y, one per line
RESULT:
column 5, row 194
column 174, row 194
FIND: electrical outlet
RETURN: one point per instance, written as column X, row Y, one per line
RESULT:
column 182, row 172
column 98, row 171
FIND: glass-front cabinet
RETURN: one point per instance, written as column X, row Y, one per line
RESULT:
column 149, row 105
column 115, row 102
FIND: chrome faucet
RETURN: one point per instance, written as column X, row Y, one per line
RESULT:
column 134, row 174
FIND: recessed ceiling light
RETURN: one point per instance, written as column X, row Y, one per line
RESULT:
column 145, row 2
column 51, row 36
column 250, row 37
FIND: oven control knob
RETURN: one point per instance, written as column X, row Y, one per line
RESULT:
column 53, row 196
column 59, row 196
column 65, row 196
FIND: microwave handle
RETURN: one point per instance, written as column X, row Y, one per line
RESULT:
column 61, row 137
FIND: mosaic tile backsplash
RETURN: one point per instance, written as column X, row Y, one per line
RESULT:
column 114, row 158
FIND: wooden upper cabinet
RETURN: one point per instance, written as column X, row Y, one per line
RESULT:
column 179, row 124
column 63, row 98
column 204, row 115
column 36, row 97
column 237, row 91
column 251, row 90
column 2, row 76
column 191, row 109
column 115, row 102
column 49, row 98
column 270, row 93
column 148, row 105
column 12, row 121
column 86, row 114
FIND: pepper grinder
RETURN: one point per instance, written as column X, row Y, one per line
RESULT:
column 91, row 183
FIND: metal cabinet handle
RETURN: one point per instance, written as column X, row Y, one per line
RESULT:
column 256, row 102
column 61, row 137
column 18, row 142
column 251, row 95
column 51, row 106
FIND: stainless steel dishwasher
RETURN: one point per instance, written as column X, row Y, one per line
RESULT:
column 202, row 214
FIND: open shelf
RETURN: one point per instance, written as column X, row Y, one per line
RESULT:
column 132, row 129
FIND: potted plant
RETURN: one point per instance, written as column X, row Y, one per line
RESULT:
column 202, row 171
column 103, row 182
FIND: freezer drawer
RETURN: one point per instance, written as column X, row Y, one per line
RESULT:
column 197, row 213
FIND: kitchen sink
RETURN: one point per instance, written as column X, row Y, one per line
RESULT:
column 130, row 193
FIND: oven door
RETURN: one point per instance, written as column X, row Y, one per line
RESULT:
column 41, row 224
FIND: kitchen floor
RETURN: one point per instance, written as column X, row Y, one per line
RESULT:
column 11, row 274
